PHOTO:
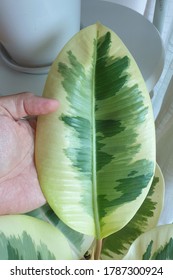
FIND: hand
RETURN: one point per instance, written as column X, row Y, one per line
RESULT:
column 19, row 187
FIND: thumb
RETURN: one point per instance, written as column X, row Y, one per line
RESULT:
column 26, row 104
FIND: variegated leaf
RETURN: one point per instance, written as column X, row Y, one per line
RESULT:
column 95, row 155
column 78, row 242
column 26, row 238
column 156, row 244
column 116, row 245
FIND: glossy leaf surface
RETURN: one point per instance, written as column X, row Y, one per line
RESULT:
column 26, row 238
column 79, row 243
column 95, row 156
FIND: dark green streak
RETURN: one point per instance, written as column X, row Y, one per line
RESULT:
column 165, row 252
column 104, row 159
column 129, row 188
column 110, row 75
column 109, row 127
column 121, row 240
column 23, row 248
column 147, row 254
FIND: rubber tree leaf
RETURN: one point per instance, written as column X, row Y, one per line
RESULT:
column 156, row 244
column 26, row 238
column 78, row 242
column 95, row 155
column 116, row 245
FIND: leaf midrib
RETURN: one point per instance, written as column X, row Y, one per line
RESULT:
column 94, row 160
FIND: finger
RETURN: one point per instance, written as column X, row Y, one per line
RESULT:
column 26, row 104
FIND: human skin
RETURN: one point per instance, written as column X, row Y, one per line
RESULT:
column 20, row 191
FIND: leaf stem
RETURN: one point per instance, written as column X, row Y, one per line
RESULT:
column 98, row 249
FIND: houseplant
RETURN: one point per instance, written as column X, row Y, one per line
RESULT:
column 95, row 156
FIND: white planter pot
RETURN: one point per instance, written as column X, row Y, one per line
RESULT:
column 34, row 31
